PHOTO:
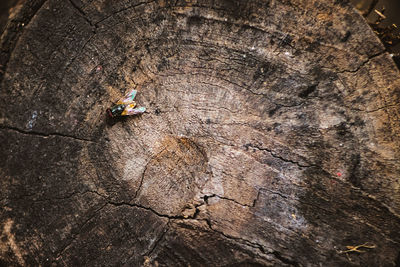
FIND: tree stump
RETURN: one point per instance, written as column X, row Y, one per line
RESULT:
column 271, row 136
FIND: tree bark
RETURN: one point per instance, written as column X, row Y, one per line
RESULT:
column 271, row 135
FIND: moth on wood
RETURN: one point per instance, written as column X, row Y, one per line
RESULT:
column 125, row 106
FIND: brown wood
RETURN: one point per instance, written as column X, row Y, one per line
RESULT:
column 271, row 135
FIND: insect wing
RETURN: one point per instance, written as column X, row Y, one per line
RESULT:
column 134, row 111
column 128, row 98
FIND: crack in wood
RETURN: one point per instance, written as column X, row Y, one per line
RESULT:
column 166, row 229
column 75, row 236
column 183, row 218
column 122, row 10
column 273, row 154
column 83, row 15
column 144, row 172
column 283, row 154
column 45, row 135
column 365, row 62
column 207, row 197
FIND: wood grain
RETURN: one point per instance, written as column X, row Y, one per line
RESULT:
column 271, row 136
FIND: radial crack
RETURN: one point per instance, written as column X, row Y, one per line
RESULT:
column 255, row 245
column 83, row 14
column 279, row 256
column 122, row 10
column 74, row 236
column 45, row 135
column 272, row 153
column 207, row 197
column 363, row 63
column 144, row 172
column 166, row 229
column 252, row 244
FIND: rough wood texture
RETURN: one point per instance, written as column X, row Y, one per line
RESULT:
column 271, row 137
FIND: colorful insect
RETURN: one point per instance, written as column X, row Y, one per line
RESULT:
column 125, row 106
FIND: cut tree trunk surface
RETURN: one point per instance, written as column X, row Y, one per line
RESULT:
column 271, row 135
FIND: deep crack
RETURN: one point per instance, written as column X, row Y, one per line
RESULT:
column 272, row 153
column 166, row 229
column 363, row 63
column 247, row 242
column 121, row 10
column 45, row 135
column 83, row 15
column 74, row 236
column 254, row 245
column 206, row 197
column 144, row 172
column 283, row 259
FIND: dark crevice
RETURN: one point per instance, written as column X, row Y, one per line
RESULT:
column 269, row 191
column 385, row 107
column 197, row 210
column 237, row 239
column 284, row 259
column 249, row 243
column 141, row 181
column 35, row 12
column 363, row 63
column 272, row 192
column 72, row 60
column 254, row 245
column 77, row 233
column 148, row 254
column 207, row 197
column 83, row 14
column 257, row 198
column 45, row 135
column 136, row 205
column 172, row 217
column 376, row 109
column 272, row 153
column 118, row 204
column 308, row 91
column 144, row 172
column 121, row 10
column 166, row 229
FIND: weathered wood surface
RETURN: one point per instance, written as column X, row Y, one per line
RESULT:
column 271, row 136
